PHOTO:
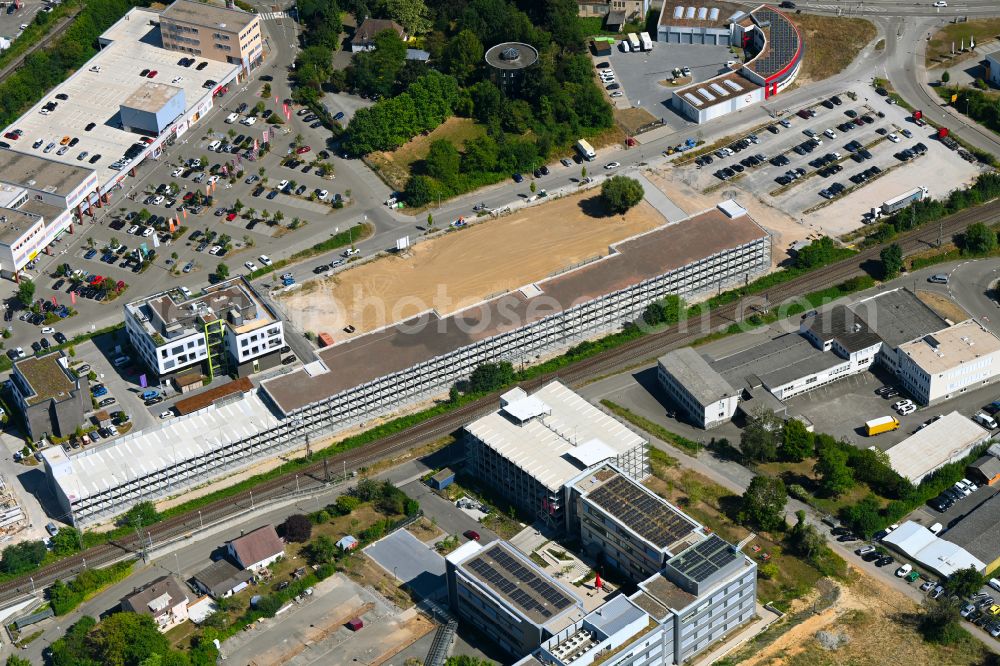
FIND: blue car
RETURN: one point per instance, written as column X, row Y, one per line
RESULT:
column 91, row 253
column 518, row 178
column 100, row 392
column 340, row 114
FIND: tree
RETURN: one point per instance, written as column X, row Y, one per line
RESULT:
column 804, row 538
column 532, row 187
column 763, row 503
column 22, row 557
column 411, row 14
column 796, row 441
column 66, row 541
column 965, row 582
column 892, row 261
column 123, row 639
column 491, row 376
column 298, row 528
column 222, row 271
column 865, row 517
column 14, row 660
column 831, row 465
column 443, row 160
column 26, row 292
column 346, row 504
column 374, row 72
column 466, row 660
column 979, row 239
column 620, row 193
column 463, row 55
column 759, row 439
column 941, row 623
column 666, row 311
column 141, row 514
column 321, row 550
column 945, row 76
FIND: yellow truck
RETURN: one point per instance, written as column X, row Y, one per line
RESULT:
column 880, row 425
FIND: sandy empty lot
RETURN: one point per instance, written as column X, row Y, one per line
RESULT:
column 462, row 268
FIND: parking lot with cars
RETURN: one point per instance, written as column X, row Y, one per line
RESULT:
column 14, row 18
column 638, row 75
column 815, row 156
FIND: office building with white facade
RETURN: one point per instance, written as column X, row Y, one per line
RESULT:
column 701, row 393
column 533, row 446
column 949, row 362
column 227, row 329
column 502, row 593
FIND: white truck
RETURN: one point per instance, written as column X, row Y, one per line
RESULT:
column 647, row 43
column 586, row 150
column 903, row 200
column 633, row 41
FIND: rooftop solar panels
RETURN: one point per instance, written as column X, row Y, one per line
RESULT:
column 783, row 43
column 706, row 558
column 535, row 596
column 642, row 512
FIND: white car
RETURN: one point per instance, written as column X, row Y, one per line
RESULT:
column 903, row 570
column 907, row 409
column 186, row 292
column 940, row 3
column 48, row 330
column 213, row 179
column 176, row 172
column 322, row 195
column 133, row 229
column 618, row 93
column 612, row 165
column 282, row 184
column 901, row 403
column 147, row 232
column 830, row 133
column 350, row 252
column 166, row 415
column 894, row 138
column 249, row 120
column 215, row 249
column 250, row 265
column 264, row 259
column 158, row 200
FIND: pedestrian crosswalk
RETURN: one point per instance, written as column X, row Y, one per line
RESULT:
column 271, row 16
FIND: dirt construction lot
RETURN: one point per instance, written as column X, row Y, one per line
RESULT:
column 462, row 268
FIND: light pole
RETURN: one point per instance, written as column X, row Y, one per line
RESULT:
column 32, row 584
column 201, row 524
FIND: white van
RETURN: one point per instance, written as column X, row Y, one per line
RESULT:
column 214, row 145
column 232, row 118
column 994, row 583
column 985, row 420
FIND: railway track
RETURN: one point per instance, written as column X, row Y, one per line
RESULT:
column 648, row 346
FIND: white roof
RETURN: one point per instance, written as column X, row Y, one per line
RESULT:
column 547, row 447
column 526, row 409
column 193, row 436
column 732, row 209
column 464, row 552
column 935, row 553
column 592, row 452
column 944, row 441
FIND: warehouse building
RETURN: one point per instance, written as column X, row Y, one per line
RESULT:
column 509, row 598
column 533, row 446
column 979, row 533
column 947, row 440
column 773, row 47
column 625, row 525
column 227, row 329
column 702, row 394
column 388, row 369
column 898, row 316
column 927, row 549
column 40, row 202
column 700, row 23
column 949, row 362
column 51, row 399
column 119, row 116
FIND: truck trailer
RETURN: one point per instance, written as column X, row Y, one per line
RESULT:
column 904, row 200
column 880, row 425
column 633, row 41
column 647, row 43
column 586, row 150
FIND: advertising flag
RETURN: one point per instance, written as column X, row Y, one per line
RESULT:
column 142, row 381
column 72, row 297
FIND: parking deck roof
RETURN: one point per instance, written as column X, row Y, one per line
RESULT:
column 132, row 45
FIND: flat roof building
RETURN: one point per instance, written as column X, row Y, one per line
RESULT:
column 228, row 329
column 533, row 446
column 702, row 393
column 979, row 533
column 949, row 362
column 213, row 31
column 51, row 399
column 947, row 440
column 924, row 547
column 498, row 590
column 648, row 530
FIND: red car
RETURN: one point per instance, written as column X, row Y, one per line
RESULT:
column 188, row 196
column 471, row 535
column 302, row 149
column 12, row 135
column 152, row 74
column 230, row 217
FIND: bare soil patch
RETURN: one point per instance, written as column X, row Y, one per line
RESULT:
column 465, row 267
column 831, row 44
column 943, row 305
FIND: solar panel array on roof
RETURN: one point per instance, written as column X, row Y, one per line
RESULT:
column 704, row 559
column 782, row 46
column 649, row 516
column 514, row 575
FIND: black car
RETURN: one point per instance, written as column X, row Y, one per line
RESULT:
column 272, row 194
column 884, row 560
column 537, row 173
column 317, row 124
column 836, row 100
column 322, row 268
column 36, row 346
column 544, row 170
column 827, row 103
column 872, row 556
column 844, row 538
column 153, row 401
